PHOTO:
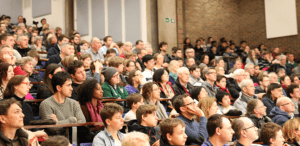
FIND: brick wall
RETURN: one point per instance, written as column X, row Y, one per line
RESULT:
column 233, row 19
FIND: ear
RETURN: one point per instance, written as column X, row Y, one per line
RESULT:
column 218, row 131
column 107, row 121
column 72, row 76
column 169, row 137
column 272, row 140
column 58, row 88
column 220, row 103
column 143, row 118
column 2, row 119
column 50, row 76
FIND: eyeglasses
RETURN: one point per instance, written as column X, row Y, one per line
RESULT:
column 27, row 83
column 286, row 103
column 157, row 89
column 249, row 127
column 192, row 103
column 212, row 73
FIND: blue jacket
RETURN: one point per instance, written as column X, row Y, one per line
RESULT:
column 194, row 129
column 105, row 138
column 130, row 89
column 53, row 51
column 278, row 116
column 269, row 103
column 208, row 143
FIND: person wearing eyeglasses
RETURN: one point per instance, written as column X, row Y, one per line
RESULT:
column 245, row 131
column 18, row 88
column 246, row 95
column 182, row 84
column 209, row 85
column 187, row 109
column 219, row 131
column 283, row 111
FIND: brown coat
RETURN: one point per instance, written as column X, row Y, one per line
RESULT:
column 21, row 139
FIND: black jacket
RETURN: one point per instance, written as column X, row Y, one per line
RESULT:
column 54, row 59
column 74, row 92
column 234, row 89
column 153, row 134
column 43, row 92
column 21, row 139
column 35, row 78
column 23, row 52
column 178, row 89
column 259, row 122
column 54, row 50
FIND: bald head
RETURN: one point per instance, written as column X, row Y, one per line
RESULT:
column 282, row 100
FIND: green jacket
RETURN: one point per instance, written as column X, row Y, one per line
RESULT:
column 109, row 91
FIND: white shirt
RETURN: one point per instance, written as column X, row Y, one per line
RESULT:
column 148, row 75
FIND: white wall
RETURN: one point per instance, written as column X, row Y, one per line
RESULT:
column 55, row 19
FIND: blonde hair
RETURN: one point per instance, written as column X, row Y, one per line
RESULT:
column 172, row 63
column 289, row 128
column 135, row 139
column 205, row 104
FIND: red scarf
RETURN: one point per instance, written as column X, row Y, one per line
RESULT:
column 224, row 89
column 95, row 115
column 283, row 86
column 186, row 91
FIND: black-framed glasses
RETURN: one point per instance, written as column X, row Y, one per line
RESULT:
column 192, row 103
column 286, row 103
column 249, row 127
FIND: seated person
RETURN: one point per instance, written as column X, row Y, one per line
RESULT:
column 148, row 62
column 129, row 65
column 195, row 75
column 59, row 107
column 256, row 111
column 285, row 81
column 151, row 94
column 272, row 134
column 67, row 49
column 6, row 73
column 76, row 70
column 36, row 56
column 117, row 62
column 45, row 89
column 211, row 77
column 133, row 100
column 173, row 67
column 234, row 88
column 293, row 92
column 26, row 64
column 89, row 95
column 290, row 131
column 145, row 122
column 221, row 83
column 57, row 140
column 198, row 93
column 135, row 79
column 264, row 82
column 247, row 94
column 209, row 106
column 66, row 61
column 172, row 132
column 283, row 111
column 245, row 131
column 86, row 59
column 19, row 88
column 224, row 106
column 274, row 92
column 136, row 139
column 187, row 109
column 95, row 70
column 110, row 87
column 57, row 47
column 22, row 46
column 219, row 131
column 11, row 123
column 182, row 84
column 111, row 115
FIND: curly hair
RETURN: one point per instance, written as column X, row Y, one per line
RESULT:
column 148, row 89
column 85, row 91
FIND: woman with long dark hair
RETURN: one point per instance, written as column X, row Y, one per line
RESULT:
column 6, row 73
column 134, row 81
column 45, row 90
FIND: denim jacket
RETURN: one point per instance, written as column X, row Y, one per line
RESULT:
column 104, row 138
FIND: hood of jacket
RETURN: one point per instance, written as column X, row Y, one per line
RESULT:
column 277, row 111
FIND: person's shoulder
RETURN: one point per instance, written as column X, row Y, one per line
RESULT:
column 47, row 102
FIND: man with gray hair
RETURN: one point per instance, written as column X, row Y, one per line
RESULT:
column 67, row 49
column 245, row 131
column 249, row 67
column 22, row 42
column 283, row 111
column 182, row 84
column 234, row 87
column 94, row 50
column 282, row 64
column 209, row 85
column 247, row 94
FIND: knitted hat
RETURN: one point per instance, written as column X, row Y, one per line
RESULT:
column 108, row 72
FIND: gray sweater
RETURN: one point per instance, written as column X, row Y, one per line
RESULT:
column 161, row 111
column 65, row 112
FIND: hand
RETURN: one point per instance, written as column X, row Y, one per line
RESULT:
column 7, row 58
column 41, row 134
column 260, row 95
column 112, row 45
column 53, row 117
column 138, row 66
column 195, row 111
column 75, row 119
column 156, row 143
column 97, row 64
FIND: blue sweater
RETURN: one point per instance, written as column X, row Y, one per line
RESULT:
column 278, row 116
column 193, row 129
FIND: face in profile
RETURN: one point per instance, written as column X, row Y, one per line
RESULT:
column 178, row 137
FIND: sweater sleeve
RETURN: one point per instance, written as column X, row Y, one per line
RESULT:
column 197, row 130
column 78, row 113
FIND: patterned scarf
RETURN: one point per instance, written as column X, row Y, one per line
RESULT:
column 95, row 115
column 173, row 75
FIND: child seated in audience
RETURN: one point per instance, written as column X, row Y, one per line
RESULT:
column 86, row 59
column 271, row 134
column 172, row 132
column 146, row 121
column 134, row 100
column 111, row 115
column 224, row 106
